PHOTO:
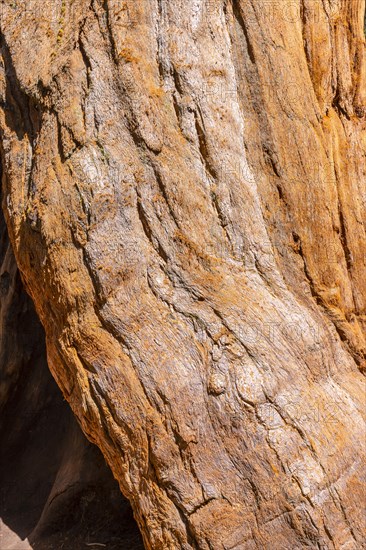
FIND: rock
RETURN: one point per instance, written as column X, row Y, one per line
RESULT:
column 181, row 180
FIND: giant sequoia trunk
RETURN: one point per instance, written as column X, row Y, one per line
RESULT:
column 56, row 492
column 184, row 187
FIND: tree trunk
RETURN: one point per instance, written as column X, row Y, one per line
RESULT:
column 184, row 187
column 56, row 491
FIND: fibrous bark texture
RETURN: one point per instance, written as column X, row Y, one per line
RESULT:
column 56, row 491
column 184, row 187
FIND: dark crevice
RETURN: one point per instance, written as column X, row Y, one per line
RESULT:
column 17, row 106
column 86, row 59
column 148, row 232
column 162, row 189
column 177, row 82
column 343, row 236
column 239, row 18
column 203, row 147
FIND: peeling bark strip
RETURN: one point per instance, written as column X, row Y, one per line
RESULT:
column 184, row 186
